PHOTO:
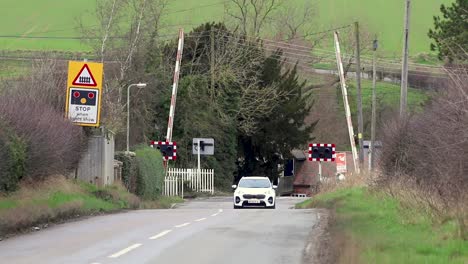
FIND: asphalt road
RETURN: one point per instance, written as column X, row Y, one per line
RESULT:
column 202, row 231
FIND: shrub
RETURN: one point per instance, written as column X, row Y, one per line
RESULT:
column 129, row 171
column 13, row 157
column 53, row 144
column 150, row 172
column 427, row 154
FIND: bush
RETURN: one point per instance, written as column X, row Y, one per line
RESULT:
column 129, row 171
column 426, row 154
column 150, row 172
column 53, row 144
column 13, row 157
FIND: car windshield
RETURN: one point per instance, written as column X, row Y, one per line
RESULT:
column 254, row 183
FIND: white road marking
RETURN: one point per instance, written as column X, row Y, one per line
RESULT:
column 219, row 211
column 163, row 233
column 125, row 251
column 201, row 219
column 182, row 225
column 95, row 263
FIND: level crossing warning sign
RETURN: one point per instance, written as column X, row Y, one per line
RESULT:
column 84, row 89
column 85, row 77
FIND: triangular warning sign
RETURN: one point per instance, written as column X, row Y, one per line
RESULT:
column 85, row 77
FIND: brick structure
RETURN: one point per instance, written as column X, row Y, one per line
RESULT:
column 306, row 172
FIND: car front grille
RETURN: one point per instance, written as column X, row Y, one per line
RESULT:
column 254, row 196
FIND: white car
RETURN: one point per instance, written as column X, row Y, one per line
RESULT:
column 254, row 191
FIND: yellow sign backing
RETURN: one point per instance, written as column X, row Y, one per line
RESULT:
column 84, row 92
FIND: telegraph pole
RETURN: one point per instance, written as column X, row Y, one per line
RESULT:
column 374, row 77
column 212, row 65
column 404, row 70
column 359, row 95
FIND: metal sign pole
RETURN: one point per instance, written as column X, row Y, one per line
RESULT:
column 320, row 171
column 198, row 154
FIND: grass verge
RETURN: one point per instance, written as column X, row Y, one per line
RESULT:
column 58, row 199
column 379, row 230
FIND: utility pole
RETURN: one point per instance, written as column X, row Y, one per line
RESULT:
column 344, row 91
column 212, row 65
column 404, row 70
column 374, row 77
column 359, row 95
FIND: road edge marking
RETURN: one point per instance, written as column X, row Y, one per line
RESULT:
column 163, row 233
column 125, row 250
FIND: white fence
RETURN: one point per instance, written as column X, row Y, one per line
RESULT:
column 197, row 180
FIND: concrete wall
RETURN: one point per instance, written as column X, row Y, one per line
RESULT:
column 97, row 163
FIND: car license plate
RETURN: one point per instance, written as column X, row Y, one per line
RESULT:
column 254, row 201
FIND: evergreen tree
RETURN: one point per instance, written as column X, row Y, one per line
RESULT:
column 450, row 33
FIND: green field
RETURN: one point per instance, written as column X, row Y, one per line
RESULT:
column 55, row 18
column 378, row 229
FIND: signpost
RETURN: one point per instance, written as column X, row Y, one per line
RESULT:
column 84, row 92
column 202, row 146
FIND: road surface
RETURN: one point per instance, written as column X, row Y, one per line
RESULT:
column 201, row 231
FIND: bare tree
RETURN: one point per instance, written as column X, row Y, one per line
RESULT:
column 126, row 30
column 252, row 15
column 295, row 20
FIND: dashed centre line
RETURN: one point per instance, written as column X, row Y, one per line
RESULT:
column 182, row 225
column 125, row 250
column 163, row 233
column 201, row 219
column 219, row 211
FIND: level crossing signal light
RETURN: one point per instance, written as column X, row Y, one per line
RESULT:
column 322, row 152
column 168, row 149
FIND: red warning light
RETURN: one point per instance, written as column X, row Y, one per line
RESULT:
column 90, row 95
column 76, row 94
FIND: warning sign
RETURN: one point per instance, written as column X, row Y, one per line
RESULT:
column 85, row 74
column 83, row 106
column 341, row 162
column 84, row 93
column 85, row 77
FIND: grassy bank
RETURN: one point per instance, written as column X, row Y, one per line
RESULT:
column 378, row 229
column 58, row 199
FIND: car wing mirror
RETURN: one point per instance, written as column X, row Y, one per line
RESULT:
column 234, row 186
column 275, row 187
